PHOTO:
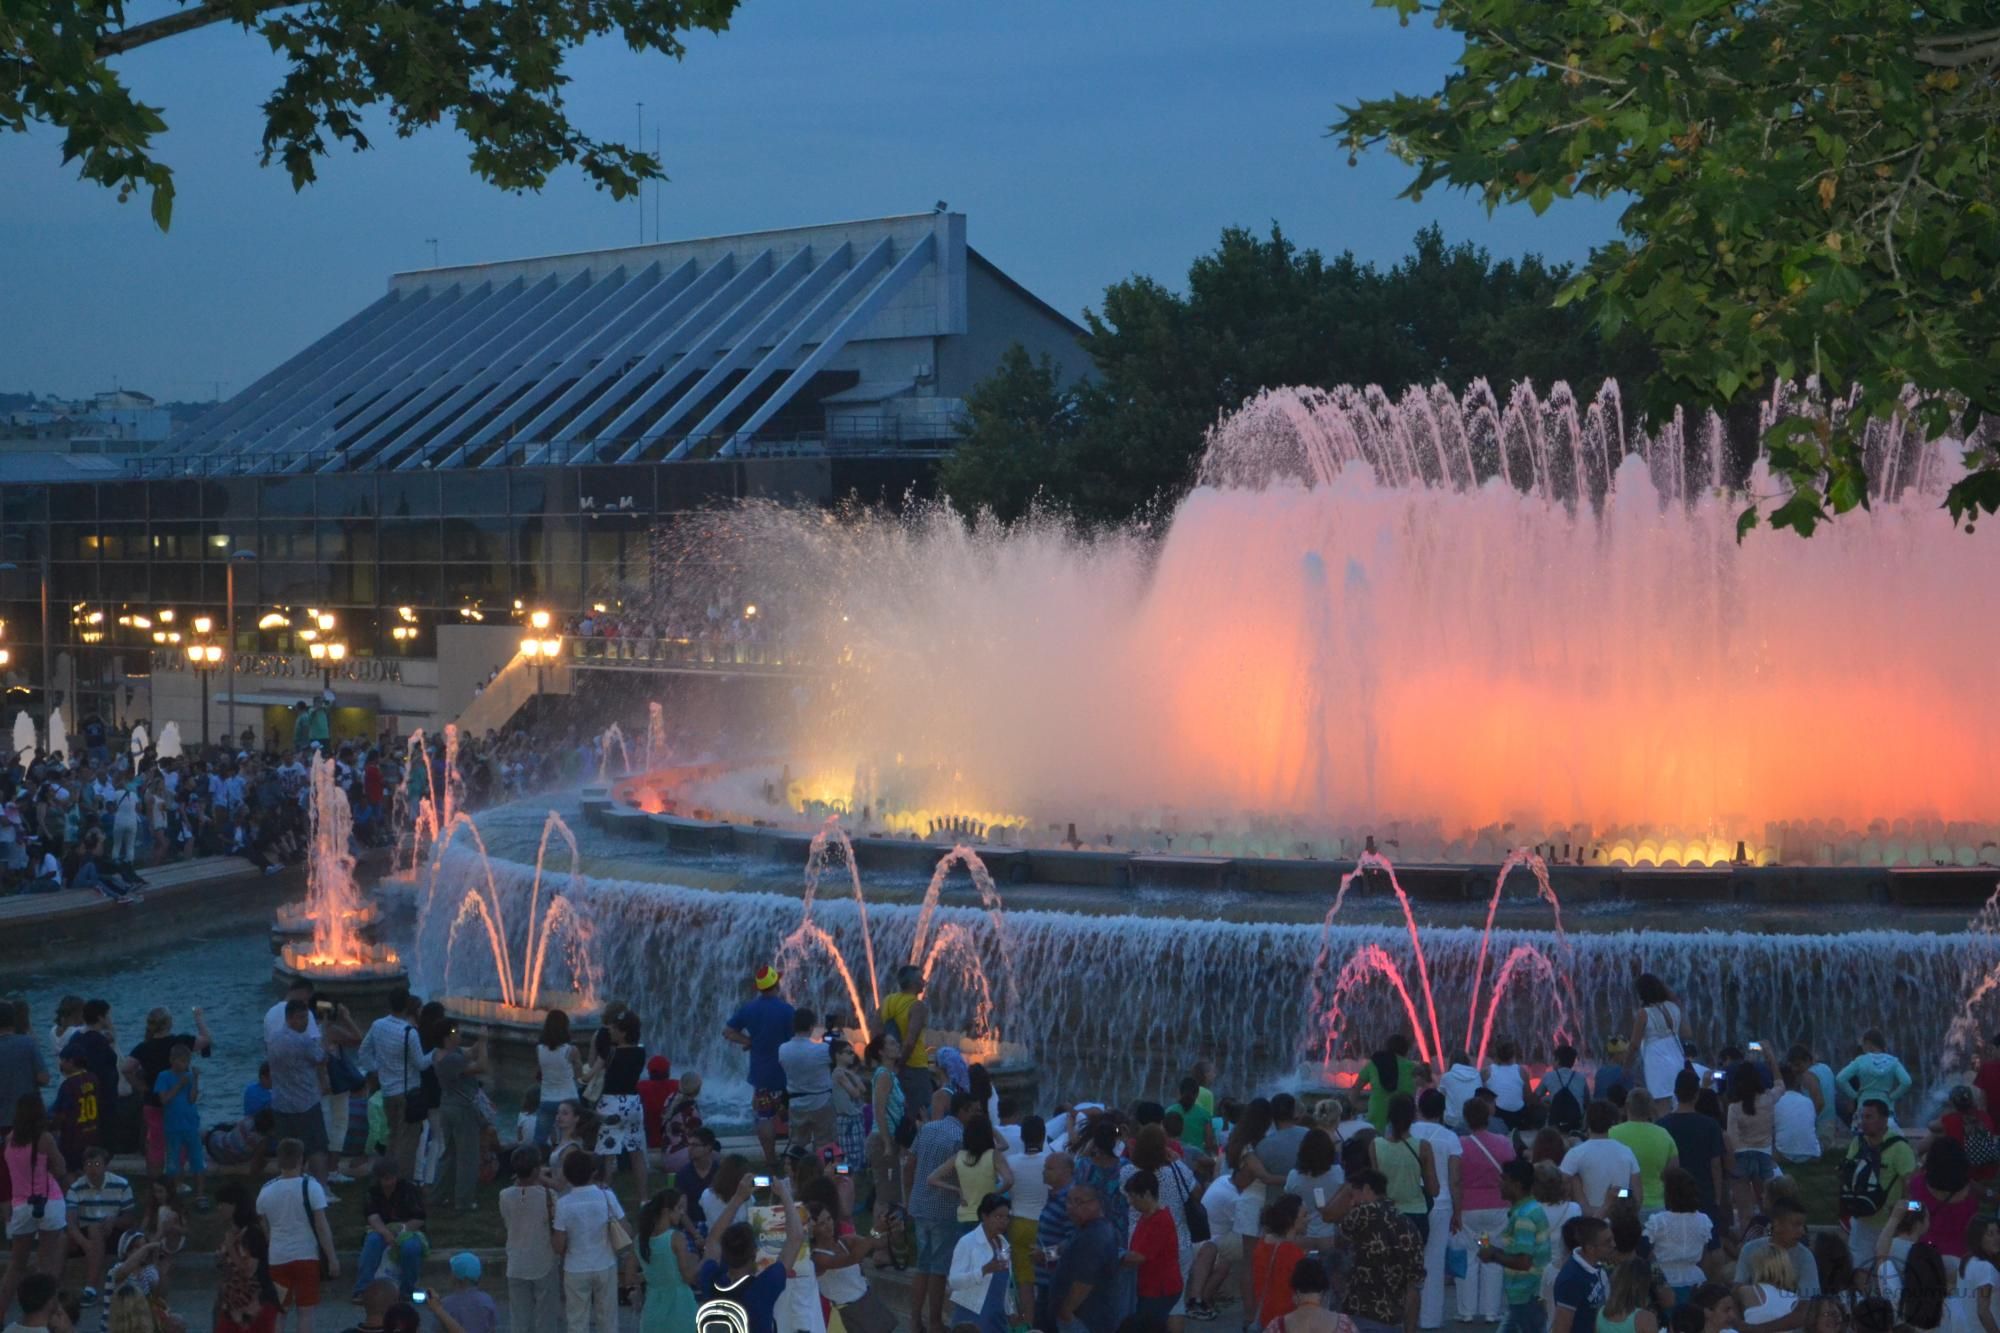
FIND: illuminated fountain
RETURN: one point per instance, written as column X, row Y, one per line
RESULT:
column 1459, row 623
column 58, row 734
column 24, row 736
column 503, row 959
column 140, row 740
column 169, row 746
column 336, row 958
column 1334, row 992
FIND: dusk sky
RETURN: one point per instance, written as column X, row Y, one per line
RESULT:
column 1084, row 142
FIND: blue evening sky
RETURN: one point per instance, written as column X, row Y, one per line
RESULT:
column 1085, row 142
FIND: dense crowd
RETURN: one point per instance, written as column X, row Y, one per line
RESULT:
column 101, row 814
column 1651, row 1192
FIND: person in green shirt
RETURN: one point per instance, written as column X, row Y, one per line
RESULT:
column 1654, row 1147
column 1197, row 1121
column 1522, row 1249
column 1390, row 1071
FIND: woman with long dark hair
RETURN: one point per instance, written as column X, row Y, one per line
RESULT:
column 36, row 1226
column 1656, row 1037
column 561, row 1065
column 1388, row 1072
column 667, row 1265
column 978, row 1169
column 1406, row 1162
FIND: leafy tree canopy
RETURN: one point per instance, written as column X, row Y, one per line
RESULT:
column 1258, row 313
column 493, row 68
column 1814, row 186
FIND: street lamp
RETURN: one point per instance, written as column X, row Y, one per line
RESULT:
column 540, row 651
column 229, row 595
column 327, row 652
column 204, row 658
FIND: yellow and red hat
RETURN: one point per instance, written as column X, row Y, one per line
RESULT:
column 767, row 978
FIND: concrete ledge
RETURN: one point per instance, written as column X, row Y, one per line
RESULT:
column 1103, row 870
column 690, row 835
column 1185, row 872
column 78, row 923
column 1944, row 886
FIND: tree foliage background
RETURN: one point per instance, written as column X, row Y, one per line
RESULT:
column 1258, row 313
column 492, row 68
column 1814, row 187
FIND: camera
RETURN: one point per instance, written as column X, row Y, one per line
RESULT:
column 761, row 1182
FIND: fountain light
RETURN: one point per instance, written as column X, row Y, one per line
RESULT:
column 203, row 624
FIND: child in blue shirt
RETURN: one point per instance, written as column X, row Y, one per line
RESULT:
column 179, row 1089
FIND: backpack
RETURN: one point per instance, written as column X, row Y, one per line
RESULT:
column 1565, row 1107
column 1862, row 1192
column 1982, row 1146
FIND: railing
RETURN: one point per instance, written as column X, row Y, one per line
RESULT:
column 691, row 653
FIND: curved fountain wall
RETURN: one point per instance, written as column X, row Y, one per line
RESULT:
column 1120, row 1005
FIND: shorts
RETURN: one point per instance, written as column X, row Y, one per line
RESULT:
column 767, row 1104
column 1755, row 1164
column 1228, row 1247
column 308, row 1127
column 935, row 1242
column 621, row 1124
column 183, row 1151
column 299, row 1280
column 23, row 1223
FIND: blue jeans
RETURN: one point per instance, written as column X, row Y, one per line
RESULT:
column 545, row 1123
column 1527, row 1317
column 409, row 1262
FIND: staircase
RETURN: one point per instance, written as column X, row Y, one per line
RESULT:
column 507, row 693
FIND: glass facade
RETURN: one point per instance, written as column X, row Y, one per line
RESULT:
column 121, row 556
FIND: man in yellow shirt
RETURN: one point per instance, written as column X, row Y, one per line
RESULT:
column 906, row 1012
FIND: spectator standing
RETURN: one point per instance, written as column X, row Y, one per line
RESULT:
column 296, row 1057
column 395, row 1053
column 21, row 1067
column 808, row 1069
column 293, row 1209
column 934, row 1208
column 1387, row 1255
column 582, row 1236
column 760, row 1026
column 1083, row 1287
column 528, row 1212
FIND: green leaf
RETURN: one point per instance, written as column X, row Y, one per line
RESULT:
column 1745, row 522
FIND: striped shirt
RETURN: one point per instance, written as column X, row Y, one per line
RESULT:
column 100, row 1203
column 1052, row 1231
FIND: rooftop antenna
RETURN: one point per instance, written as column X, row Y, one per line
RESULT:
column 432, row 242
column 642, row 183
column 659, row 155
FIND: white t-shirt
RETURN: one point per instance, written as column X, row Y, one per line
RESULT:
column 274, row 1023
column 282, row 1205
column 1510, row 1087
column 558, row 1072
column 1219, row 1200
column 1797, row 1127
column 1679, row 1241
column 1030, row 1190
column 526, row 1215
column 1445, row 1145
column 1250, row 1211
column 1603, row 1165
column 584, row 1215
column 1961, row 1312
column 1459, row 1082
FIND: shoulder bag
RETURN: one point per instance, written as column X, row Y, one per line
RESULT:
column 615, row 1231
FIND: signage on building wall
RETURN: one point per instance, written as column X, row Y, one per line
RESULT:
column 624, row 504
column 284, row 666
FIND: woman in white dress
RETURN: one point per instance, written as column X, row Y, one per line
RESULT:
column 1656, row 1036
column 1975, row 1308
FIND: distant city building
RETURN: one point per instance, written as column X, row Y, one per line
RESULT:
column 482, row 442
column 114, row 422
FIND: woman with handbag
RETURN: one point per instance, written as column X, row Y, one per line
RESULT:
column 1406, row 1162
column 36, row 1225
column 843, row 1281
column 590, row 1237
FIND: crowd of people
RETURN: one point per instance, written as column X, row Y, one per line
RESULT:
column 1651, row 1192
column 102, row 813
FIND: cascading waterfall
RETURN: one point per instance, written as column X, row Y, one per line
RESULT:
column 1119, row 1005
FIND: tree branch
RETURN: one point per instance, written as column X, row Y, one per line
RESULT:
column 1972, row 48
column 173, row 25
